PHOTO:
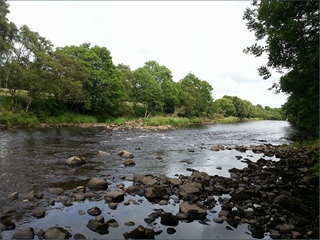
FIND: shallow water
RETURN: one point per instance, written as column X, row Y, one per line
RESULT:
column 33, row 159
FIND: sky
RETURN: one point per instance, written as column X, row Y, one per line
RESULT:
column 205, row 38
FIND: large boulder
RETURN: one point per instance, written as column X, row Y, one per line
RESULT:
column 141, row 232
column 98, row 226
column 75, row 161
column 191, row 188
column 56, row 233
column 168, row 219
column 26, row 233
column 98, row 183
column 149, row 181
column 186, row 207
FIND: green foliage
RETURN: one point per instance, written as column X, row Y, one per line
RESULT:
column 158, row 121
column 146, row 91
column 71, row 118
column 290, row 30
column 17, row 118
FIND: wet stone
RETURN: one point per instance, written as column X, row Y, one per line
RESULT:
column 27, row 233
column 39, row 214
column 79, row 236
column 55, row 191
column 171, row 230
column 57, row 233
column 94, row 211
column 130, row 223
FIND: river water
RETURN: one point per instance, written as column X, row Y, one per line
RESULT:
column 33, row 159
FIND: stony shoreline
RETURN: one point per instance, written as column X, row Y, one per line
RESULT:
column 280, row 198
column 130, row 125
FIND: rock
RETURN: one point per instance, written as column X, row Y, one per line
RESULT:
column 75, row 161
column 175, row 181
column 138, row 177
column 79, row 236
column 94, row 211
column 55, row 191
column 163, row 202
column 224, row 213
column 113, row 223
column 171, row 230
column 7, row 225
column 285, row 228
column 13, row 196
column 191, row 188
column 186, row 207
column 218, row 220
column 130, row 223
column 116, row 196
column 8, row 209
column 27, row 233
column 113, row 206
column 79, row 197
column 98, row 183
column 167, row 219
column 98, row 227
column 149, row 181
column 56, row 233
column 125, row 154
column 39, row 214
column 129, row 162
column 141, row 232
column 131, row 189
column 38, row 195
column 201, row 176
column 29, row 195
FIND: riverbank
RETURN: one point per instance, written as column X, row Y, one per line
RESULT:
column 153, row 123
column 276, row 199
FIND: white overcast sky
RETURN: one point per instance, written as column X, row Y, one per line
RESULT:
column 205, row 38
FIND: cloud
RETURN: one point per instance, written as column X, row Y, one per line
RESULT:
column 206, row 38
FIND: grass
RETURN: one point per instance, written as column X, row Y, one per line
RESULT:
column 173, row 121
column 117, row 121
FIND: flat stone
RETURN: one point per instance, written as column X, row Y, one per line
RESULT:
column 98, row 183
column 186, row 207
column 27, row 233
column 56, row 233
column 117, row 196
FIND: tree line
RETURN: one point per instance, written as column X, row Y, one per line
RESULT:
column 288, row 32
column 83, row 79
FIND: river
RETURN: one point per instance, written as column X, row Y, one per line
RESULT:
column 34, row 159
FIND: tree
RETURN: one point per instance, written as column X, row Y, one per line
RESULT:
column 225, row 107
column 104, row 86
column 126, row 77
column 8, row 31
column 163, row 77
column 146, row 91
column 291, row 33
column 66, row 78
column 24, row 66
column 196, row 96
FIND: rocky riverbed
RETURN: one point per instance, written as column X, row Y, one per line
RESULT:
column 278, row 199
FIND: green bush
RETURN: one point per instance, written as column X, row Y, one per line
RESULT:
column 71, row 118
